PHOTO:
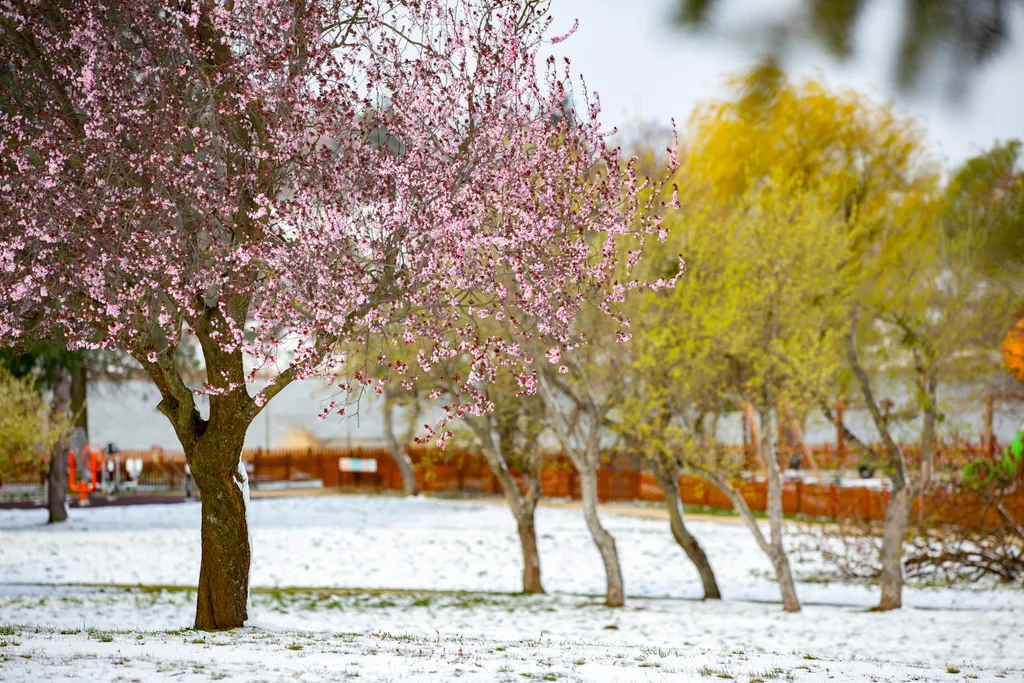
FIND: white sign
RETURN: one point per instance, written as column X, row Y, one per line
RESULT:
column 357, row 464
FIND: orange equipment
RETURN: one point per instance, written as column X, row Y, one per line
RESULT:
column 1013, row 350
column 93, row 459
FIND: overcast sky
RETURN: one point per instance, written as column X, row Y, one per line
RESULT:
column 647, row 70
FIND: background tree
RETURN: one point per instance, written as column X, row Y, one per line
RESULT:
column 933, row 324
column 510, row 437
column 207, row 169
column 50, row 366
column 579, row 388
column 26, row 432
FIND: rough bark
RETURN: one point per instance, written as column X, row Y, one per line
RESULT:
column 57, row 474
column 531, row 558
column 896, row 516
column 668, row 480
column 399, row 451
column 224, row 570
column 615, row 595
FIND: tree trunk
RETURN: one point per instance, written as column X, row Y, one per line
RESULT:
column 773, row 549
column 406, row 469
column 399, row 452
column 224, row 570
column 79, row 392
column 522, row 507
column 669, row 483
column 777, row 554
column 896, row 515
column 605, row 542
column 57, row 474
column 531, row 558
column 784, row 574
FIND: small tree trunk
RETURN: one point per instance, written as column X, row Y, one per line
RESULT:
column 773, row 549
column 79, row 393
column 57, row 474
column 531, row 558
column 224, row 569
column 522, row 507
column 669, row 483
column 783, row 572
column 896, row 515
column 406, row 469
column 605, row 542
column 777, row 554
column 399, row 452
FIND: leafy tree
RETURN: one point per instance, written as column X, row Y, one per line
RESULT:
column 25, row 431
column 209, row 170
column 986, row 197
column 798, row 202
column 934, row 324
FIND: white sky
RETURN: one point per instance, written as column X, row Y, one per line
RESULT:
column 647, row 70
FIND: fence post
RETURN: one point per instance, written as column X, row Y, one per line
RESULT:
column 288, row 467
column 840, row 436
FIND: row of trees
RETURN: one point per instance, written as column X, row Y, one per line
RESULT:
column 827, row 259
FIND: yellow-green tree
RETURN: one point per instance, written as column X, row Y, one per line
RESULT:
column 753, row 321
column 25, row 431
column 795, row 202
column 860, row 156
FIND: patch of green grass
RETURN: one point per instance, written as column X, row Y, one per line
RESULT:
column 294, row 646
column 422, row 602
column 105, row 638
column 708, row 672
column 774, row 672
column 69, row 631
column 661, row 652
column 809, row 657
column 177, row 631
column 7, row 631
column 6, row 643
column 952, row 669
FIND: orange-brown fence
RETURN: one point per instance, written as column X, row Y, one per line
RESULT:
column 623, row 478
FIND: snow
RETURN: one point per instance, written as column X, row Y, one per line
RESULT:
column 418, row 554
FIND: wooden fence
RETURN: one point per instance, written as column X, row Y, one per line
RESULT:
column 622, row 478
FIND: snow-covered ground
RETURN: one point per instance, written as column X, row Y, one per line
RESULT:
column 420, row 553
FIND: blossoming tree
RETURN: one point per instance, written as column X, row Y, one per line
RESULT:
column 285, row 180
